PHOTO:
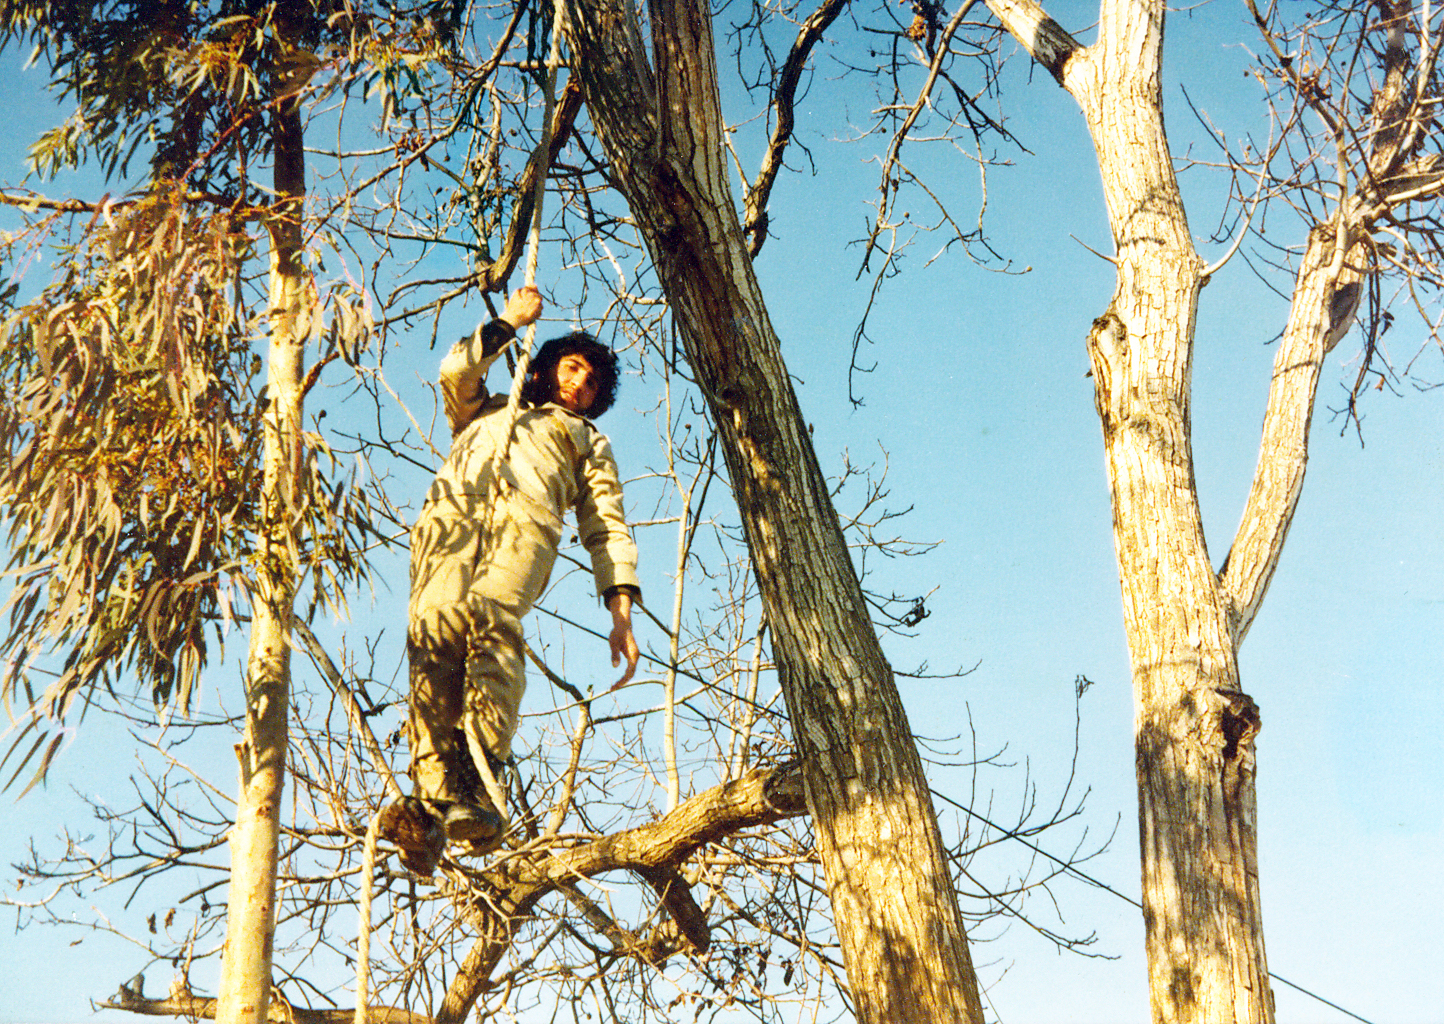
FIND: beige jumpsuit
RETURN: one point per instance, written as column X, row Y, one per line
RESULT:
column 482, row 551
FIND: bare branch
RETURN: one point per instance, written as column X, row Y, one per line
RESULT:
column 784, row 97
column 760, row 797
column 1043, row 38
column 182, row 1002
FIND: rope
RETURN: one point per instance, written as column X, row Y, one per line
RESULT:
column 481, row 758
column 543, row 155
column 493, row 788
column 363, row 933
column 513, row 405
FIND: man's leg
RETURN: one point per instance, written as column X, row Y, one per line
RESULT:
column 440, row 639
column 437, row 651
column 444, row 549
column 471, row 583
column 519, row 551
column 436, row 645
column 495, row 682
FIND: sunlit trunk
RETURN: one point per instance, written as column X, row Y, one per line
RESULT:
column 1194, row 727
column 250, row 926
column 888, row 877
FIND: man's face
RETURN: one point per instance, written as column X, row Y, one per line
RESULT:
column 576, row 383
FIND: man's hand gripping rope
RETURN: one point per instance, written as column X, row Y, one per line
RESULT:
column 523, row 307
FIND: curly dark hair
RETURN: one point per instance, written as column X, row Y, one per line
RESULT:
column 541, row 374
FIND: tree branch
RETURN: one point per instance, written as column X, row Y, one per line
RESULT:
column 182, row 1002
column 354, row 713
column 515, row 883
column 1043, row 38
column 887, row 186
column 1326, row 295
column 1324, row 301
column 35, row 201
column 492, row 276
column 755, row 226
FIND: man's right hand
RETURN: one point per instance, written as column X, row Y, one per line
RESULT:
column 522, row 307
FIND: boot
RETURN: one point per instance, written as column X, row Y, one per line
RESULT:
column 473, row 818
column 416, row 833
column 476, row 823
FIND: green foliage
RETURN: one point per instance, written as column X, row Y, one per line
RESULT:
column 188, row 84
column 131, row 432
column 129, row 409
column 129, row 494
column 143, row 73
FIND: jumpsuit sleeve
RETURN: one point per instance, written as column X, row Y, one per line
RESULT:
column 601, row 524
column 463, row 372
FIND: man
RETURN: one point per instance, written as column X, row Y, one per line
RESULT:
column 483, row 547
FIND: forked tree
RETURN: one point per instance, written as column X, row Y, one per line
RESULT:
column 1354, row 151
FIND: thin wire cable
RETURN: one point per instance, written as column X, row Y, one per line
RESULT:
column 1122, row 896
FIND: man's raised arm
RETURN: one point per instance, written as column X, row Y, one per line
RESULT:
column 463, row 370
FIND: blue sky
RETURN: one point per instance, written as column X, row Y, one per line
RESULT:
column 980, row 401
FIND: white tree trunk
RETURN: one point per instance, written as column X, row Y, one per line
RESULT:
column 251, row 914
column 1194, row 727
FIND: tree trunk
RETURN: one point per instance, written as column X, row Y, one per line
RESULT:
column 1194, row 727
column 250, row 927
column 893, row 902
